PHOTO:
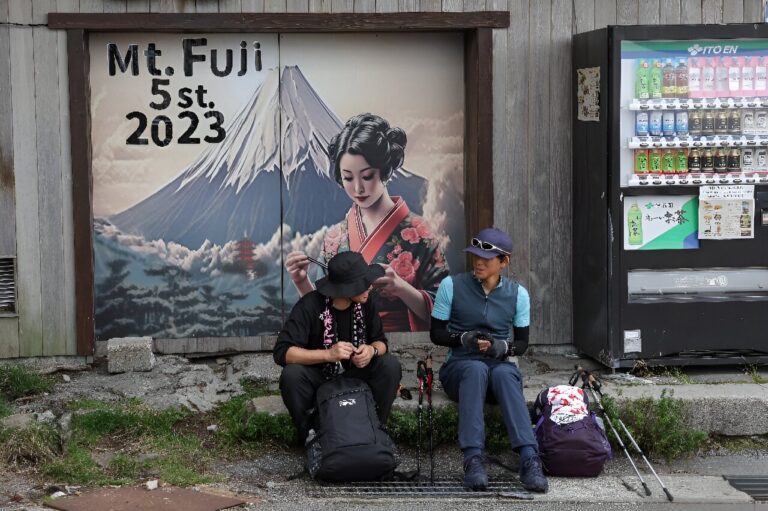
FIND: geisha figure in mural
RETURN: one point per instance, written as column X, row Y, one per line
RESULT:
column 363, row 157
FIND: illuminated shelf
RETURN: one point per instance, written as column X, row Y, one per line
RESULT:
column 691, row 179
column 708, row 141
column 698, row 104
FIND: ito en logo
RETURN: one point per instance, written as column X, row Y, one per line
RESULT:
column 728, row 49
column 347, row 402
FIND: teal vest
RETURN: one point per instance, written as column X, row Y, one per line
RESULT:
column 472, row 309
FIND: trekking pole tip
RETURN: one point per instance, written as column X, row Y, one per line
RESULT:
column 669, row 495
column 647, row 490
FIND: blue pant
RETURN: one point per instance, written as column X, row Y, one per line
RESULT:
column 467, row 381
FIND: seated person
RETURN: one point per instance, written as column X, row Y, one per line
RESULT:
column 473, row 315
column 333, row 331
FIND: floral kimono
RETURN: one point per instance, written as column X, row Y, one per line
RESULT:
column 405, row 242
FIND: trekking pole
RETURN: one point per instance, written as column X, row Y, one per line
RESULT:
column 430, row 378
column 588, row 379
column 421, row 374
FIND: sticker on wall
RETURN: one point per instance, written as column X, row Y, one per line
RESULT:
column 588, row 93
column 633, row 341
column 727, row 212
column 657, row 222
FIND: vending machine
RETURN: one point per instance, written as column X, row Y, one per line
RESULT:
column 670, row 194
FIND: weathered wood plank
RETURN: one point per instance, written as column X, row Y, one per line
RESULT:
column 320, row 6
column 386, row 6
column 207, row 6
column 453, row 5
column 230, row 6
column 605, row 13
column 516, row 116
column 733, row 11
column 9, row 337
column 7, row 181
column 342, row 6
column 670, row 12
column 430, row 5
column 626, row 12
column 474, row 5
column 82, row 187
column 690, row 12
column 712, row 11
column 91, row 6
column 540, row 214
column 753, row 11
column 364, row 6
column 408, row 6
column 114, row 6
column 500, row 70
column 172, row 6
column 560, row 168
column 253, row 5
column 584, row 15
column 137, row 6
column 49, row 185
column 68, row 258
column 648, row 12
column 274, row 5
column 297, row 6
column 25, row 169
column 215, row 344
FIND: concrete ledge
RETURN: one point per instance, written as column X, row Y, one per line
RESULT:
column 129, row 354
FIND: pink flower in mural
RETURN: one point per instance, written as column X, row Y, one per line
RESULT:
column 422, row 227
column 410, row 235
column 406, row 267
column 332, row 240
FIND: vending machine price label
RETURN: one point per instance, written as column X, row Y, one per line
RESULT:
column 727, row 192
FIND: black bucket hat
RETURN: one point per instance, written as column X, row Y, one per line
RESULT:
column 348, row 275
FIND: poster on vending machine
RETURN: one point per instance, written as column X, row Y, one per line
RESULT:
column 727, row 212
column 661, row 222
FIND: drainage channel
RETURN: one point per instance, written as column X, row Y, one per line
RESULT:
column 442, row 488
column 754, row 486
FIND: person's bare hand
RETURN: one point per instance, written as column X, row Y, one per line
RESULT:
column 363, row 355
column 342, row 350
column 483, row 345
column 296, row 263
column 390, row 284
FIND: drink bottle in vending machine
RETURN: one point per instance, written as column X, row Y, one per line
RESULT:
column 748, row 76
column 734, row 76
column 694, row 160
column 721, row 77
column 694, row 77
column 668, row 123
column 681, row 161
column 681, row 123
column 668, row 85
column 641, row 124
column 654, row 123
column 681, row 78
column 707, row 77
column 655, row 80
column 761, row 68
column 641, row 161
column 642, row 87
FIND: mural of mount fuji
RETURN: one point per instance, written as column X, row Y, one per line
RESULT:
column 241, row 185
column 202, row 255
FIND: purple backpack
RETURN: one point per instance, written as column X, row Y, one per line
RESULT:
column 572, row 442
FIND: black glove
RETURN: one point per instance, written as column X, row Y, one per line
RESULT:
column 498, row 349
column 469, row 340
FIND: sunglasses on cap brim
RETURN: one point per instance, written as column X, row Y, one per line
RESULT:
column 484, row 245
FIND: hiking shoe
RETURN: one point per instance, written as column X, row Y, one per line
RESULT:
column 475, row 476
column 532, row 475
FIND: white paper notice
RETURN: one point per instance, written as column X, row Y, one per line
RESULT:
column 726, row 212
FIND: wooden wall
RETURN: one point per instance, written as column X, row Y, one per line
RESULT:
column 532, row 140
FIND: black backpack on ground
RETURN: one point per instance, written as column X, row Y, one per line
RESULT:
column 576, row 449
column 349, row 443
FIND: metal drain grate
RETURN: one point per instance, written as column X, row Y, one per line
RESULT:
column 442, row 488
column 754, row 486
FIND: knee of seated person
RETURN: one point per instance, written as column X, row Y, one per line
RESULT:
column 506, row 372
column 291, row 375
column 475, row 369
column 391, row 365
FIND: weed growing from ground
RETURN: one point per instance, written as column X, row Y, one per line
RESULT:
column 32, row 445
column 5, row 408
column 754, row 372
column 239, row 424
column 17, row 381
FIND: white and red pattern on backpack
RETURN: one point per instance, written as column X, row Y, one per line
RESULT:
column 567, row 404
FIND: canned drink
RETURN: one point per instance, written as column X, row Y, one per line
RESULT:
column 761, row 157
column 641, row 161
column 734, row 122
column 721, row 160
column 694, row 123
column 708, row 161
column 694, row 160
column 681, row 123
column 761, row 121
column 668, row 123
column 747, row 159
column 748, row 121
column 641, row 124
column 734, row 160
column 654, row 123
column 708, row 123
column 721, row 123
column 654, row 161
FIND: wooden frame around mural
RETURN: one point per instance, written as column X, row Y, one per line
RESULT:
column 478, row 56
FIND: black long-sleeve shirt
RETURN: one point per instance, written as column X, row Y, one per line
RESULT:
column 305, row 329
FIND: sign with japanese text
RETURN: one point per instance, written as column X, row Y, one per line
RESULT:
column 661, row 222
column 727, row 212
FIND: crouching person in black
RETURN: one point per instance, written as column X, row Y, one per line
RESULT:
column 336, row 331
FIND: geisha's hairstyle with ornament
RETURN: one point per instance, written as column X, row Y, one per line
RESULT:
column 369, row 136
